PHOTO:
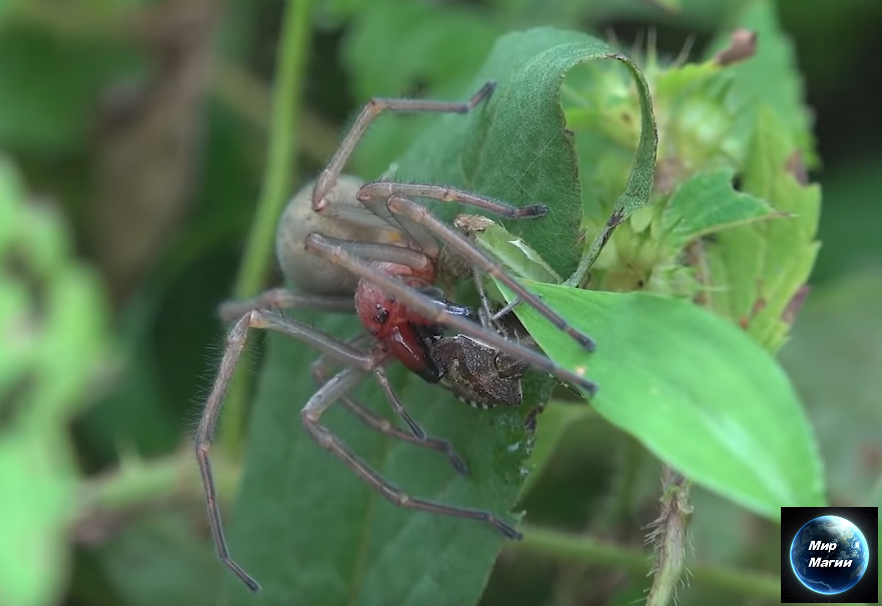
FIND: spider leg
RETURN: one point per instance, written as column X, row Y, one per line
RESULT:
column 311, row 414
column 421, row 215
column 415, row 428
column 484, row 312
column 282, row 298
column 383, row 190
column 335, row 251
column 374, row 196
column 372, row 109
column 381, row 425
column 359, row 362
column 381, row 378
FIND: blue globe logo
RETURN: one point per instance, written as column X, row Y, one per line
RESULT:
column 823, row 568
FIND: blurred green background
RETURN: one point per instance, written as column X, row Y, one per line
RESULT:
column 138, row 131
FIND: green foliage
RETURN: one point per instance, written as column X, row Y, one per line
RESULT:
column 765, row 264
column 769, row 80
column 519, row 148
column 717, row 408
column 101, row 506
column 52, row 319
column 660, row 383
column 33, row 115
column 706, row 204
column 490, row 152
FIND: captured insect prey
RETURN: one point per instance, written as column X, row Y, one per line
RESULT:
column 368, row 248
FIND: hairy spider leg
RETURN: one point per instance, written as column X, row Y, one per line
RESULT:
column 283, row 298
column 372, row 109
column 320, row 370
column 399, row 205
column 374, row 195
column 382, row 190
column 358, row 361
column 337, row 252
column 311, row 414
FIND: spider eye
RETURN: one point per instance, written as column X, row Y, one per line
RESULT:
column 382, row 315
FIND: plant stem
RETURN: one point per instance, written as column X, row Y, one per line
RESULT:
column 282, row 147
column 282, row 152
column 670, row 538
column 569, row 548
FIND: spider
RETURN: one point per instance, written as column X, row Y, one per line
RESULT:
column 368, row 247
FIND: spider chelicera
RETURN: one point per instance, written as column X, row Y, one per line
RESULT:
column 369, row 248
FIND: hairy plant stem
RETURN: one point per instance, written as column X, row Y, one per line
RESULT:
column 670, row 538
column 282, row 151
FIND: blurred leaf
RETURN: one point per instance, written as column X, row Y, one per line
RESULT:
column 394, row 48
column 743, row 536
column 164, row 327
column 672, row 6
column 852, row 215
column 52, row 324
column 770, row 78
column 160, row 559
column 706, row 203
column 308, row 528
column 39, row 484
column 759, row 268
column 34, row 67
column 697, row 391
column 133, row 416
column 5, row 5
column 396, row 45
column 551, row 424
column 834, row 359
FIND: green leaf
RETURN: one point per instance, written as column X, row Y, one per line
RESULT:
column 694, row 389
column 305, row 526
column 768, row 79
column 422, row 49
column 516, row 255
column 706, row 203
column 517, row 147
column 308, row 528
column 758, row 269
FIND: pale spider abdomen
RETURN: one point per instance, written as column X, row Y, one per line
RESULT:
column 343, row 217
